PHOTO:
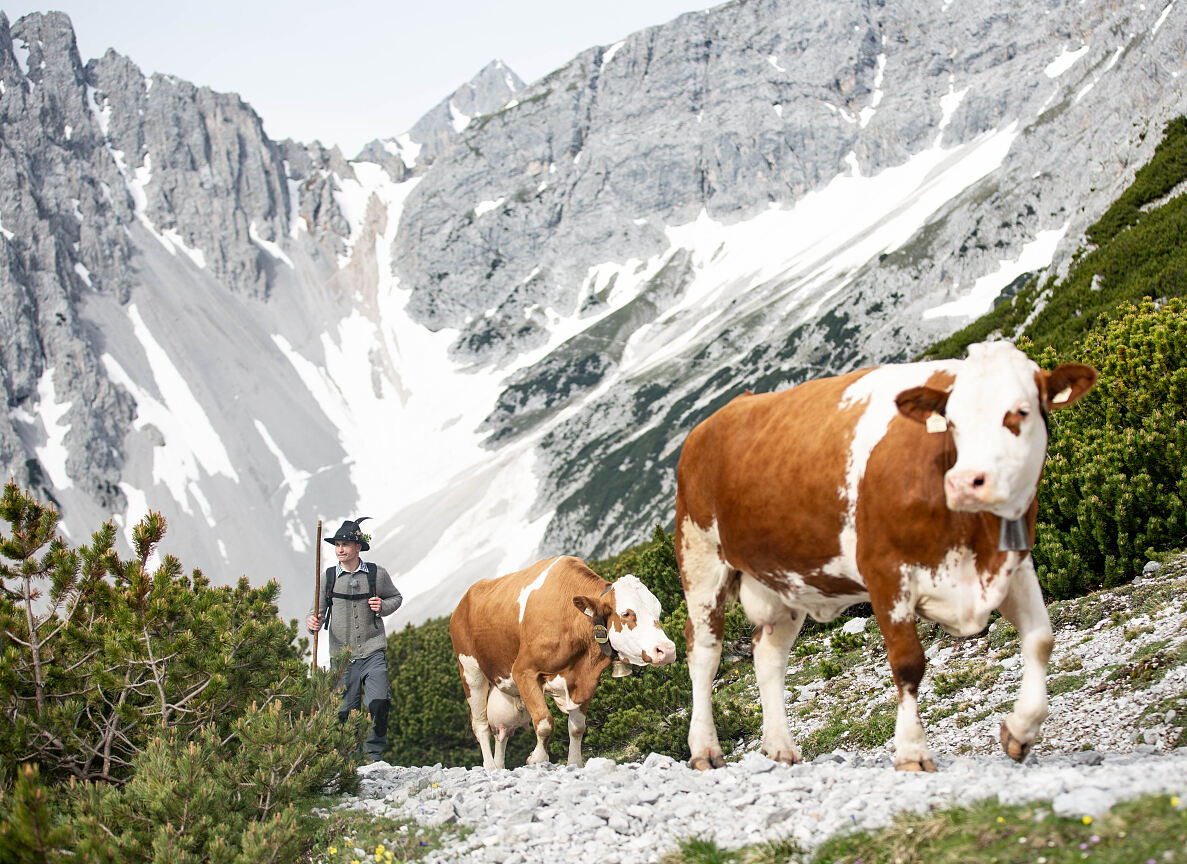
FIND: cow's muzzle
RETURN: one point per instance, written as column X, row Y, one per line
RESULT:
column 968, row 490
column 660, row 655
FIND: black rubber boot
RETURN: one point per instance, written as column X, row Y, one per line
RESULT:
column 377, row 739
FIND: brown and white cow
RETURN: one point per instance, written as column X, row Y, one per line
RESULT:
column 911, row 486
column 552, row 629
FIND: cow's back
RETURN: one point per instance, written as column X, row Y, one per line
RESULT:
column 528, row 610
column 767, row 471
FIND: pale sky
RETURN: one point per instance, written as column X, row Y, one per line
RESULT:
column 347, row 72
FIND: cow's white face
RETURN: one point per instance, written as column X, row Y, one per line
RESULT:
column 634, row 627
column 994, row 412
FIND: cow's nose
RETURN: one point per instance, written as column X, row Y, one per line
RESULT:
column 966, row 488
column 663, row 654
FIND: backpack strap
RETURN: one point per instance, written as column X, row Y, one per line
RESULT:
column 331, row 575
column 328, row 599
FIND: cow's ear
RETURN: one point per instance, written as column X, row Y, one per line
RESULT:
column 1065, row 384
column 588, row 605
column 919, row 403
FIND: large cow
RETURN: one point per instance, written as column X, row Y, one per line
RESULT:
column 552, row 629
column 911, row 486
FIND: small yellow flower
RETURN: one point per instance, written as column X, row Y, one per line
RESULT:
column 1086, row 819
column 1174, row 800
column 434, row 785
column 1000, row 820
column 379, row 849
column 333, row 850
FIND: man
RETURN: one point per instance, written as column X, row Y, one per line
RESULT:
column 356, row 596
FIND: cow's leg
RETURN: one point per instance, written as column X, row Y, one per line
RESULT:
column 907, row 663
column 477, row 689
column 775, row 630
column 501, row 747
column 576, row 733
column 532, row 694
column 1023, row 607
column 706, row 582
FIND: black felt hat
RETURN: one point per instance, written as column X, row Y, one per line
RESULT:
column 350, row 531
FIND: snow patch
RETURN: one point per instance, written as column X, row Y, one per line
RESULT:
column 294, row 481
column 868, row 112
column 83, row 273
column 102, row 115
column 1035, row 255
column 611, row 51
column 1066, row 59
column 460, row 120
column 268, row 246
column 774, row 61
column 484, row 207
column 52, row 454
column 192, row 448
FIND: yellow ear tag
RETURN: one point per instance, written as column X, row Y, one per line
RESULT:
column 937, row 423
column 1062, row 395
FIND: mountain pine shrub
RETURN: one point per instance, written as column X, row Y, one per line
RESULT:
column 151, row 716
column 1114, row 491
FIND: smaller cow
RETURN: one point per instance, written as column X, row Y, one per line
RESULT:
column 552, row 628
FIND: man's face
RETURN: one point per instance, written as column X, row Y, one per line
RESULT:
column 347, row 551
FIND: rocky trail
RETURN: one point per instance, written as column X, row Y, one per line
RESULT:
column 1116, row 731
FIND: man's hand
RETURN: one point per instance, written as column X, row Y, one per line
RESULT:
column 375, row 603
column 313, row 622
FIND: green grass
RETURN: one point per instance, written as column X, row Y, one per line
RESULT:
column 349, row 836
column 1132, row 833
column 1148, row 829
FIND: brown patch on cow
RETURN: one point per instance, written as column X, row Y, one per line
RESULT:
column 746, row 464
column 1013, row 421
column 485, row 625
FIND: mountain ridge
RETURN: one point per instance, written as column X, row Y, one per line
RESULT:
column 495, row 347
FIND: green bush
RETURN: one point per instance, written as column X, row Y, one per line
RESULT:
column 1115, row 485
column 429, row 721
column 185, row 709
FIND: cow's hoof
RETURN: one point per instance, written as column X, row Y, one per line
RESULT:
column 1014, row 748
column 704, row 763
column 785, row 757
column 916, row 765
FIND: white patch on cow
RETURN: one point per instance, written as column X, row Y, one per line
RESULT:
column 558, row 689
column 762, row 605
column 910, row 745
column 705, row 574
column 507, row 685
column 903, row 608
column 822, row 606
column 877, row 389
column 956, row 595
column 576, row 733
column 630, row 594
column 536, row 583
column 479, row 690
column 997, row 379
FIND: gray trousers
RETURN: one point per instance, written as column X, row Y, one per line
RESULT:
column 364, row 682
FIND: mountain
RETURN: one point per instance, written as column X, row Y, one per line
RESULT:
column 493, row 332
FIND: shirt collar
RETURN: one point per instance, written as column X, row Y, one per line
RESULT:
column 343, row 571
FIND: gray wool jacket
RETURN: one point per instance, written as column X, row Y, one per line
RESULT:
column 353, row 626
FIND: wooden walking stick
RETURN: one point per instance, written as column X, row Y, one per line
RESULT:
column 316, row 596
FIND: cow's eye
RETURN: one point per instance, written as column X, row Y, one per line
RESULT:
column 1022, row 412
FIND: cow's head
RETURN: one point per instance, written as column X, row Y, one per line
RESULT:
column 631, row 615
column 996, row 413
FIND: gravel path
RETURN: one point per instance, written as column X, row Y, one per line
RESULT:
column 636, row 812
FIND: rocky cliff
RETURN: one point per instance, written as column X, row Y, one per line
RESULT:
column 492, row 332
